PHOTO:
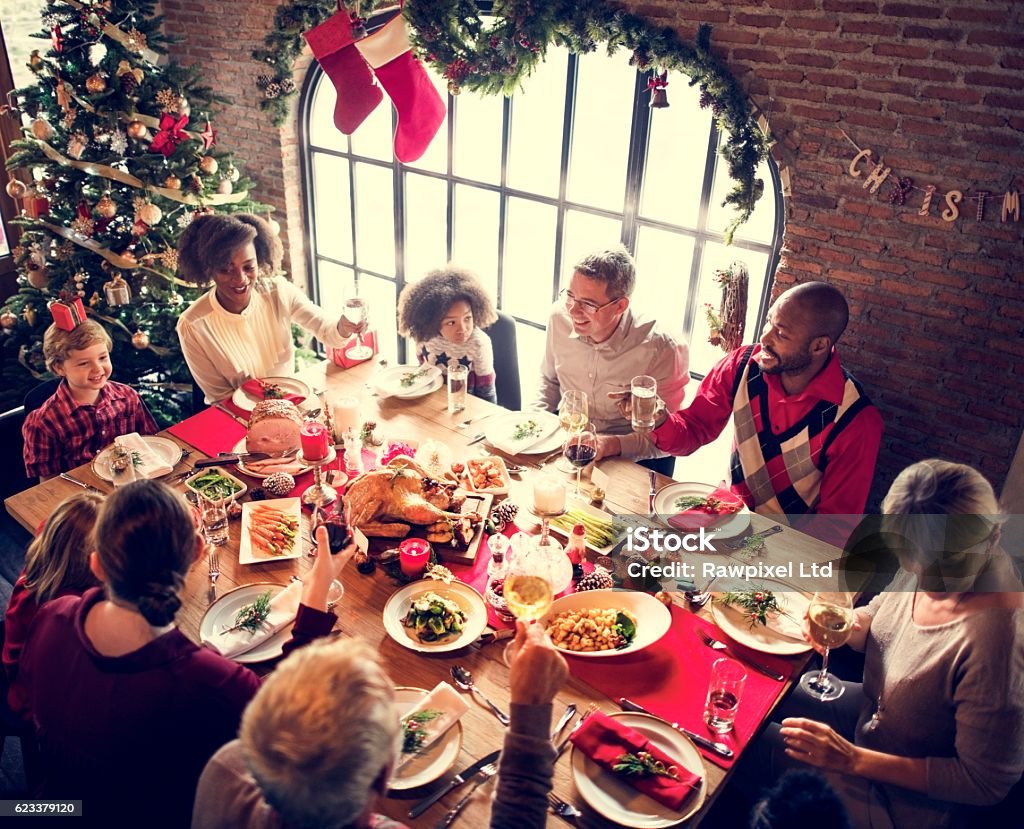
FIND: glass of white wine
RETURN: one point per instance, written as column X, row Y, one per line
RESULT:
column 573, row 416
column 527, row 590
column 356, row 311
column 830, row 617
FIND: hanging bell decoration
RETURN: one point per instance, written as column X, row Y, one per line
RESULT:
column 656, row 85
column 117, row 292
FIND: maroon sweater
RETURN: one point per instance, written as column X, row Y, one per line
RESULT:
column 129, row 735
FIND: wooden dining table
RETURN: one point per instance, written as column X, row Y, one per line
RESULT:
column 360, row 610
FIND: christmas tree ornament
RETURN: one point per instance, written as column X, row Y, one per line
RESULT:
column 150, row 214
column 16, row 188
column 173, row 299
column 129, row 76
column 172, row 133
column 420, row 108
column 95, row 84
column 139, row 228
column 656, row 85
column 118, row 143
column 135, row 40
column 106, row 207
column 232, row 174
column 209, row 136
column 184, row 107
column 224, row 187
column 8, row 319
column 140, row 340
column 208, row 165
column 42, row 129
column 137, row 130
column 29, row 314
column 83, row 226
column 195, row 184
column 117, row 292
column 77, row 145
column 129, row 258
column 35, row 61
column 172, row 182
column 275, row 226
column 332, row 44
column 95, row 299
column 57, row 39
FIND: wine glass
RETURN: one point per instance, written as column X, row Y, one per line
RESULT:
column 527, row 590
column 580, row 450
column 573, row 414
column 830, row 620
column 356, row 311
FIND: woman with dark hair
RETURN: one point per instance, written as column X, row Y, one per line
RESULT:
column 444, row 313
column 241, row 328
column 127, row 709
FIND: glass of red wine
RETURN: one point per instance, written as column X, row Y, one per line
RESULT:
column 581, row 450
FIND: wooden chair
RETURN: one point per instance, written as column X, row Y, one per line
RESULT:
column 40, row 394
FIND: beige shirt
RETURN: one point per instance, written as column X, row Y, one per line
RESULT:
column 636, row 346
column 223, row 349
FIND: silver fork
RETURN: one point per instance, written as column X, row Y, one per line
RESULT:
column 564, row 744
column 564, row 810
column 214, row 567
column 485, row 774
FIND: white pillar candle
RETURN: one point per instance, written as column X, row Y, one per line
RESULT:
column 548, row 495
column 346, row 414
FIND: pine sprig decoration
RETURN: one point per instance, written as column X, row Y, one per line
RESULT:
column 643, row 764
column 756, row 604
column 251, row 617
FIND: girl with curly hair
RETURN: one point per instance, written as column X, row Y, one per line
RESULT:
column 444, row 313
column 241, row 328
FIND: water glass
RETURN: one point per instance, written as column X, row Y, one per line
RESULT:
column 458, row 382
column 724, row 692
column 215, row 520
column 645, row 402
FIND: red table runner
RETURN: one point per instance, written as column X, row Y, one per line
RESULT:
column 211, row 431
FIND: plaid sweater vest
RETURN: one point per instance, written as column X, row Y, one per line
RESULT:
column 780, row 474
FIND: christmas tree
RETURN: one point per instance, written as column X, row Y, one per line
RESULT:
column 119, row 154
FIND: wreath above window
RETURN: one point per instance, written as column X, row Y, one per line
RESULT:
column 493, row 48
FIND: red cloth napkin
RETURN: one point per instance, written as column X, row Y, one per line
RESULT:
column 697, row 517
column 211, row 431
column 604, row 740
column 257, row 389
column 338, row 356
column 670, row 679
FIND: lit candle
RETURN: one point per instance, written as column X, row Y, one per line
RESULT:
column 413, row 556
column 346, row 414
column 314, row 440
column 548, row 496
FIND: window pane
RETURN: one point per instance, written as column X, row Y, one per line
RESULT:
column 336, row 283
column 332, row 207
column 381, row 301
column 586, row 233
column 373, row 137
column 322, row 132
column 529, row 259
column 676, row 157
column 435, row 158
column 719, row 257
column 663, row 261
column 535, row 151
column 478, row 137
column 475, row 245
column 425, row 233
column 760, row 227
column 530, row 343
column 600, row 142
column 375, row 221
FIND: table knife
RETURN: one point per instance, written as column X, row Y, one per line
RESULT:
column 570, row 712
column 651, row 493
column 721, row 749
column 231, row 414
column 477, row 439
column 717, row 645
column 82, row 484
column 460, row 778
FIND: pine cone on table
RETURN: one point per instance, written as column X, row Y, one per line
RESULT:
column 596, row 579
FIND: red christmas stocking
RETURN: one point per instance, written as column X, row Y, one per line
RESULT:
column 331, row 43
column 420, row 108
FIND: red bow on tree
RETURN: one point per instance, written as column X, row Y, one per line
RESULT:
column 172, row 133
column 57, row 39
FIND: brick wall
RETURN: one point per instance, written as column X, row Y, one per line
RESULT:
column 936, row 332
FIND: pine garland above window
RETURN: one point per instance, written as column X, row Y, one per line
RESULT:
column 493, row 51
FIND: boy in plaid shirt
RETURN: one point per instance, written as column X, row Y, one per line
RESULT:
column 87, row 411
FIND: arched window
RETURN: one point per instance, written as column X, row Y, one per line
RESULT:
column 520, row 188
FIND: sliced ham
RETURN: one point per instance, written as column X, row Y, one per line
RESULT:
column 273, row 427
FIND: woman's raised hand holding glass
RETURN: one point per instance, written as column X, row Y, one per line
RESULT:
column 356, row 312
column 830, row 620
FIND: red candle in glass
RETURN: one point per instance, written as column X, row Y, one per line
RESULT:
column 313, row 437
column 413, row 556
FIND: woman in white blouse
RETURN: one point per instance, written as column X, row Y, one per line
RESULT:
column 241, row 328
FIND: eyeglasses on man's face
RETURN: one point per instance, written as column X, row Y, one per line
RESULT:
column 585, row 305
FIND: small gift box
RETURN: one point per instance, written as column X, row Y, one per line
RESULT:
column 338, row 357
column 36, row 207
column 68, row 313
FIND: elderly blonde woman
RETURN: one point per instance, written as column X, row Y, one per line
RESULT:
column 936, row 730
column 242, row 327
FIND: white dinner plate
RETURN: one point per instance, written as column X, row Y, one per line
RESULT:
column 389, row 381
column 289, row 385
column 436, row 760
column 760, row 638
column 500, row 429
column 221, row 614
column 653, row 619
column 728, row 527
column 246, row 553
column 471, row 602
column 294, row 468
column 164, row 448
column 610, row 797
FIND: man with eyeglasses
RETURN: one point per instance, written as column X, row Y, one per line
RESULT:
column 596, row 344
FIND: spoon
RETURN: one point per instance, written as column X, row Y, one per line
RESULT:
column 464, row 679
